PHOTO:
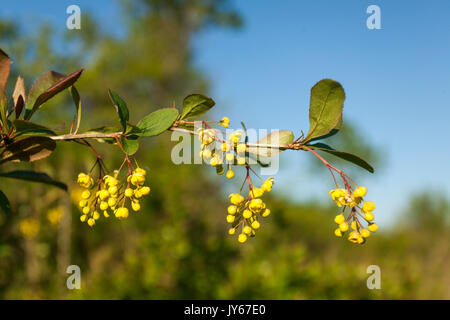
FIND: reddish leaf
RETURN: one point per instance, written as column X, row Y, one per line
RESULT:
column 5, row 65
column 28, row 149
column 64, row 82
column 19, row 96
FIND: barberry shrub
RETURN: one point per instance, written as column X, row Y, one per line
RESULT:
column 118, row 193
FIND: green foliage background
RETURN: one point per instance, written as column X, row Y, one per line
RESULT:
column 177, row 246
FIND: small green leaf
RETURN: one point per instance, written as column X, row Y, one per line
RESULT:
column 77, row 101
column 53, row 83
column 4, row 203
column 33, row 177
column 343, row 155
column 195, row 105
column 130, row 146
column 157, row 122
column 27, row 127
column 121, row 108
column 28, row 149
column 325, row 110
column 276, row 138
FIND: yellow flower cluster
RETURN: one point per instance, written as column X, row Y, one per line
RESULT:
column 111, row 196
column 345, row 198
column 230, row 152
column 245, row 213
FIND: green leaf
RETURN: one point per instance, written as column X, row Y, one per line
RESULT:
column 130, row 146
column 157, row 122
column 195, row 105
column 46, row 87
column 325, row 109
column 4, row 203
column 121, row 108
column 28, row 149
column 27, row 127
column 333, row 131
column 33, row 177
column 276, row 138
column 77, row 101
column 343, row 155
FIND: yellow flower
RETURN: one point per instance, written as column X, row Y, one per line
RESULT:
column 137, row 193
column 145, row 190
column 103, row 195
column 343, row 226
column 128, row 192
column 368, row 206
column 368, row 216
column 230, row 218
column 231, row 231
column 232, row 209
column 236, row 198
column 103, row 205
column 122, row 213
column 355, row 225
column 267, row 185
column 83, row 203
column 373, row 227
column 256, row 192
column 247, row 230
column 256, row 225
column 112, row 202
column 266, row 213
column 225, row 122
column 91, row 222
column 230, row 174
column 354, row 237
column 359, row 192
column 339, row 219
column 96, row 215
column 247, row 214
column 256, row 205
column 85, row 194
column 365, row 233
column 135, row 206
column 338, row 232
column 242, row 238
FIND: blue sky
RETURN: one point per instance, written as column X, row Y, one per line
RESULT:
column 397, row 80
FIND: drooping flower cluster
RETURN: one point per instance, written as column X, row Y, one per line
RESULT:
column 229, row 151
column 246, row 213
column 358, row 207
column 112, row 195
